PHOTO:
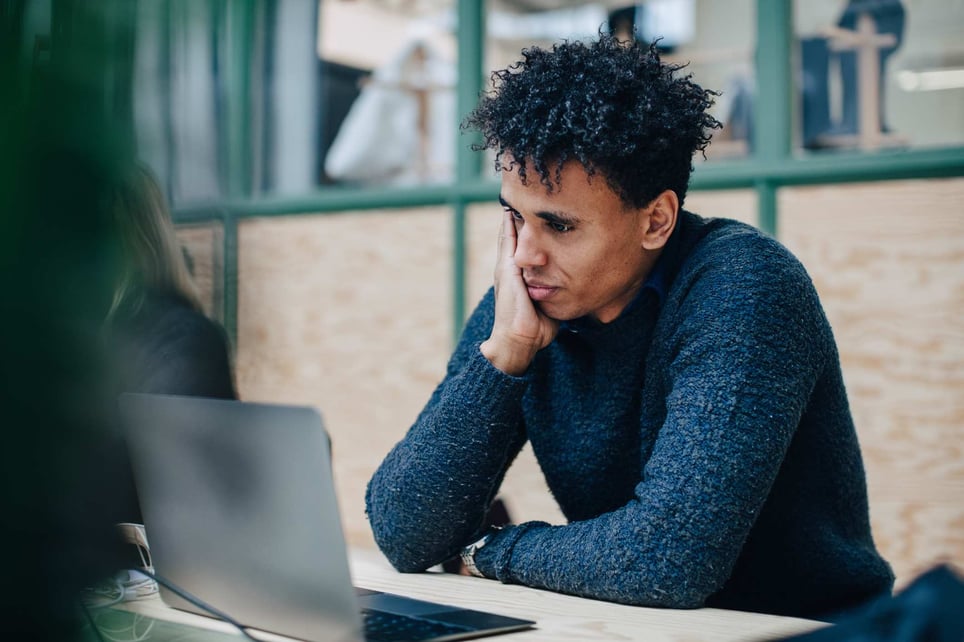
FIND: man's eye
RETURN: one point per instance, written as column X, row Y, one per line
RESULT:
column 515, row 215
column 560, row 227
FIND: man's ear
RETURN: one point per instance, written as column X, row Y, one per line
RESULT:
column 660, row 220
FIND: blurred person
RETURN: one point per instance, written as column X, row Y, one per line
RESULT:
column 819, row 129
column 160, row 338
column 888, row 17
column 676, row 376
column 397, row 131
column 167, row 343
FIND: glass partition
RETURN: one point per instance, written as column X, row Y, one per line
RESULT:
column 880, row 75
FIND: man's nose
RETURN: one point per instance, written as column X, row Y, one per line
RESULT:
column 528, row 249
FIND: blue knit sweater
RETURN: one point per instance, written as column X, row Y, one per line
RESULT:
column 700, row 446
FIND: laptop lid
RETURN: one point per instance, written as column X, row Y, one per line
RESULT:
column 240, row 509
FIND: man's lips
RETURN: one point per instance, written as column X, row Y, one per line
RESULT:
column 539, row 291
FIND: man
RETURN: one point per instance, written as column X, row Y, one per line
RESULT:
column 676, row 377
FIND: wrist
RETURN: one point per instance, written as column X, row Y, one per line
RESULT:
column 469, row 552
column 510, row 359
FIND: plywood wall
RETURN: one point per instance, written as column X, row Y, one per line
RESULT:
column 888, row 261
column 350, row 314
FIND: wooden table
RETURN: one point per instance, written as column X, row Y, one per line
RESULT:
column 558, row 617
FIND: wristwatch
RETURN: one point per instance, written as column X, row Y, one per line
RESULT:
column 468, row 553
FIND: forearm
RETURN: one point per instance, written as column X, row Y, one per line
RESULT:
column 629, row 556
column 432, row 490
column 673, row 545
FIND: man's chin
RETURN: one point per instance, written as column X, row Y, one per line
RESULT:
column 555, row 313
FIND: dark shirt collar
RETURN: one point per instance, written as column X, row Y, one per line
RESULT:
column 656, row 281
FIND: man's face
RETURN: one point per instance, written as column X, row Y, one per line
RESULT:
column 580, row 247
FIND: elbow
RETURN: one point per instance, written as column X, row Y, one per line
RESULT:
column 672, row 590
column 682, row 576
column 404, row 564
column 405, row 559
column 405, row 548
column 688, row 586
column 392, row 545
column 411, row 535
column 402, row 558
column 670, row 598
column 685, row 599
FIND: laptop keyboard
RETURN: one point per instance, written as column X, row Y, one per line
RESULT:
column 381, row 626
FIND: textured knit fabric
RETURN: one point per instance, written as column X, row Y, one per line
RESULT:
column 700, row 445
column 165, row 346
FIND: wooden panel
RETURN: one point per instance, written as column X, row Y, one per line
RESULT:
column 349, row 314
column 738, row 204
column 203, row 247
column 888, row 261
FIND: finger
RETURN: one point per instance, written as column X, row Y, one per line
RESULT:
column 507, row 237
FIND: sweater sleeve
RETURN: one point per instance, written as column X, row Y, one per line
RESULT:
column 741, row 345
column 430, row 494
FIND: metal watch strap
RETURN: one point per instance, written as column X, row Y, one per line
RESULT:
column 468, row 553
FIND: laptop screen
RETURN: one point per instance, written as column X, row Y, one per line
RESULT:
column 240, row 510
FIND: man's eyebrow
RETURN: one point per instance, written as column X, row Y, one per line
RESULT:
column 550, row 217
column 558, row 218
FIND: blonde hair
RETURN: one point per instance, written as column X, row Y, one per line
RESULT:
column 151, row 254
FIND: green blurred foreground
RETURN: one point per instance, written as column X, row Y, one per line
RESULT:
column 62, row 143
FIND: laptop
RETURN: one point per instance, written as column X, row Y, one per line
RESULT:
column 240, row 510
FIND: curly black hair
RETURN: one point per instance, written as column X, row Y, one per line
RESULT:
column 609, row 104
